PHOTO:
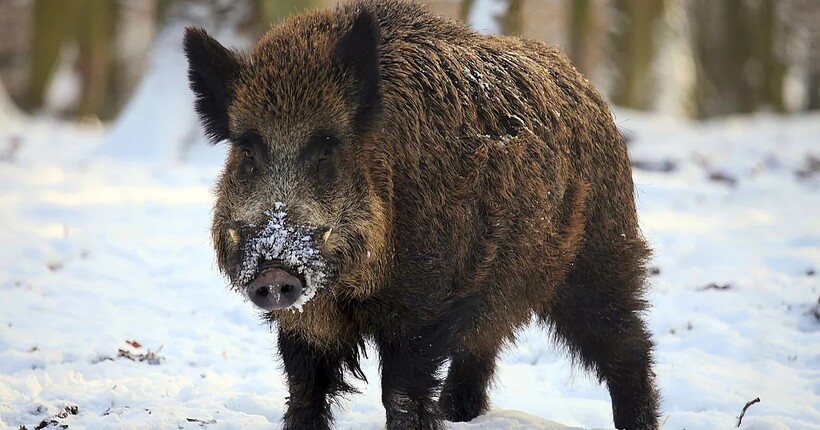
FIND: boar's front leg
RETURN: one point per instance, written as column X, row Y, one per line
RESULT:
column 314, row 377
column 409, row 366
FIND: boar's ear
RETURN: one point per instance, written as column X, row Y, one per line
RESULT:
column 212, row 69
column 357, row 52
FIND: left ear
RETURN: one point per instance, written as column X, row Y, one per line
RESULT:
column 212, row 70
column 357, row 52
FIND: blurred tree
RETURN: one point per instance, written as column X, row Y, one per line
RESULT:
column 813, row 91
column 510, row 22
column 633, row 51
column 90, row 25
column 45, row 49
column 272, row 12
column 466, row 7
column 739, row 47
column 739, row 57
column 95, row 40
column 770, row 55
column 15, row 22
column 804, row 15
column 580, row 28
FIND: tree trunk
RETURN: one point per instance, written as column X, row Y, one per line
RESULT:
column 773, row 65
column 88, row 23
column 633, row 51
column 95, row 32
column 272, row 12
column 813, row 90
column 51, row 28
column 580, row 28
column 739, row 58
column 511, row 21
column 464, row 12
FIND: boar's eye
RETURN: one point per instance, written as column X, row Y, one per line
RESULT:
column 247, row 146
column 248, row 162
column 319, row 149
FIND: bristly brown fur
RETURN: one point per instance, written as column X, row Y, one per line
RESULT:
column 477, row 181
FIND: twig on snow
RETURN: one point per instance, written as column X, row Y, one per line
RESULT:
column 202, row 423
column 743, row 412
column 150, row 357
column 716, row 286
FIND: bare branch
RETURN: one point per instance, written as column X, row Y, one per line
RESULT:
column 743, row 412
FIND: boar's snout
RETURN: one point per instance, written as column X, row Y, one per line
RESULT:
column 275, row 289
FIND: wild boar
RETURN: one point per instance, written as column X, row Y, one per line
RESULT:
column 396, row 178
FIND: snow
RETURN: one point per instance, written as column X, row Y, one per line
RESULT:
column 293, row 244
column 110, row 300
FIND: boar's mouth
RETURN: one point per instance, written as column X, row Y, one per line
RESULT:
column 282, row 267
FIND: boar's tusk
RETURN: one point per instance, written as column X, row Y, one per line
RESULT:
column 326, row 236
column 234, row 236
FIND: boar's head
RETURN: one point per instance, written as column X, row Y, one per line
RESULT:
column 297, row 210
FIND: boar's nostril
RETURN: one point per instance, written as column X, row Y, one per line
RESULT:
column 262, row 292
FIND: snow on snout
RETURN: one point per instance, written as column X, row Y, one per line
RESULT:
column 294, row 245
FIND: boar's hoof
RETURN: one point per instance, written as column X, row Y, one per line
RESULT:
column 275, row 289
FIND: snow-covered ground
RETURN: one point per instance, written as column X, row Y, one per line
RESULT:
column 110, row 301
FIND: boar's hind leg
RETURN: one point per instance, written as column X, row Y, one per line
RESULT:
column 597, row 315
column 464, row 395
column 314, row 377
column 409, row 367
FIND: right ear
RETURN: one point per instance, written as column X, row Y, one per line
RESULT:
column 212, row 71
column 357, row 52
